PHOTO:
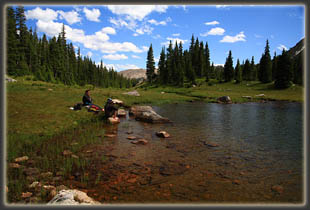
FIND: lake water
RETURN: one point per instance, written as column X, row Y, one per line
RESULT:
column 260, row 145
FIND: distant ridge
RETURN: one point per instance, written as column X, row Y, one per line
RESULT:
column 297, row 49
column 134, row 73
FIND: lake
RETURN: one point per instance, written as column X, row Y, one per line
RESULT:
column 257, row 158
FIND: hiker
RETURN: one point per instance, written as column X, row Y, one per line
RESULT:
column 88, row 101
column 109, row 109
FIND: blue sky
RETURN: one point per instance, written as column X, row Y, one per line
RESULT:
column 121, row 35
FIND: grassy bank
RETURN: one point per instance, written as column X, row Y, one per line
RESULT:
column 40, row 124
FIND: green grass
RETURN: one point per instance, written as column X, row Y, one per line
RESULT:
column 40, row 124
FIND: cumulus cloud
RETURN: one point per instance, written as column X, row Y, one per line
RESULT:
column 144, row 29
column 115, row 57
column 231, row 39
column 50, row 28
column 163, row 22
column 136, row 12
column 118, row 22
column 108, row 30
column 281, row 47
column 176, row 34
column 71, row 17
column 212, row 23
column 214, row 31
column 92, row 15
column 40, row 14
column 173, row 40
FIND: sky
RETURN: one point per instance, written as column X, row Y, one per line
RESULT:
column 121, row 35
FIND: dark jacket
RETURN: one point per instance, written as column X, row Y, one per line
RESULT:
column 87, row 100
column 109, row 110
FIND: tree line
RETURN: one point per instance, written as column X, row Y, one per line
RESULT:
column 177, row 67
column 53, row 60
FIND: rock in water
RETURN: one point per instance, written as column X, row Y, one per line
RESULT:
column 277, row 188
column 21, row 159
column 147, row 114
column 140, row 141
column 121, row 112
column 72, row 197
column 163, row 134
column 224, row 99
column 114, row 120
column 211, row 144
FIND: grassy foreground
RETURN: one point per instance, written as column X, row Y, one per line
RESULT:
column 40, row 123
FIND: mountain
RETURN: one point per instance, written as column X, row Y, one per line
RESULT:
column 134, row 73
column 297, row 49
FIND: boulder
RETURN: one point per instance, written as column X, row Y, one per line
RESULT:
column 113, row 120
column 163, row 134
column 147, row 114
column 260, row 95
column 224, row 99
column 121, row 112
column 9, row 79
column 117, row 101
column 140, row 141
column 72, row 197
column 132, row 93
column 21, row 159
column 277, row 188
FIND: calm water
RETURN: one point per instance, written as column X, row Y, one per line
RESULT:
column 260, row 145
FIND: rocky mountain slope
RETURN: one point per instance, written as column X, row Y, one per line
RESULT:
column 134, row 73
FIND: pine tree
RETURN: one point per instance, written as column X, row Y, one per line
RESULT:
column 253, row 70
column 162, row 67
column 150, row 65
column 246, row 72
column 274, row 66
column 238, row 75
column 265, row 70
column 207, row 60
column 169, row 63
column 228, row 68
column 298, row 69
column 181, row 66
column 190, row 73
column 284, row 76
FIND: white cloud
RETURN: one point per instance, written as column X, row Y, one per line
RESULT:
column 136, row 12
column 135, row 56
column 214, row 31
column 145, row 48
column 212, row 23
column 50, row 28
column 176, row 34
column 97, row 41
column 173, row 40
column 221, row 6
column 144, row 29
column 157, row 36
column 281, row 47
column 108, row 30
column 71, row 17
column 43, row 15
column 89, row 54
column 92, row 15
column 231, row 39
column 118, row 22
column 155, row 22
column 115, row 57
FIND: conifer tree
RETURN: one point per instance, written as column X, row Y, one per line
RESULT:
column 238, row 74
column 163, row 77
column 150, row 65
column 253, row 70
column 228, row 68
column 207, row 61
column 284, row 76
column 265, row 69
column 246, row 72
column 274, row 66
column 169, row 63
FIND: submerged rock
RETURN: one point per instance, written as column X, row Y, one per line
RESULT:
column 140, row 141
column 277, row 188
column 113, row 120
column 131, row 137
column 211, row 144
column 72, row 197
column 224, row 99
column 121, row 112
column 147, row 114
column 163, row 134
column 26, row 194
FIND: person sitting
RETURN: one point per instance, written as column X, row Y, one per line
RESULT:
column 87, row 100
column 109, row 109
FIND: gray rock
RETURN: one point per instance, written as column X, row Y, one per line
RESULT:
column 9, row 79
column 147, row 114
column 72, row 197
column 224, row 99
column 132, row 93
column 163, row 134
